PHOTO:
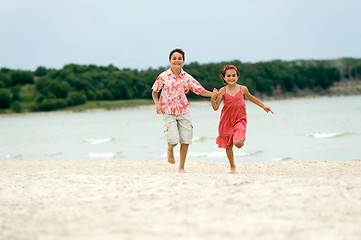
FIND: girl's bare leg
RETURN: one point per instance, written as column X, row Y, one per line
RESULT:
column 183, row 155
column 170, row 153
column 230, row 156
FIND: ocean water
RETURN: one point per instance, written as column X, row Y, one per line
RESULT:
column 327, row 128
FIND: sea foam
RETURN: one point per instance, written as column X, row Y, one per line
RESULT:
column 99, row 140
column 108, row 155
column 319, row 135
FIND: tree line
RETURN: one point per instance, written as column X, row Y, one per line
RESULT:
column 50, row 89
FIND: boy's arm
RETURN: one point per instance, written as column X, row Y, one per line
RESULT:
column 255, row 100
column 158, row 107
column 206, row 93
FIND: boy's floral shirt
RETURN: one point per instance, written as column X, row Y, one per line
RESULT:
column 173, row 96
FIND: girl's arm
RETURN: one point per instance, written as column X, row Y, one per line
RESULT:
column 216, row 100
column 255, row 100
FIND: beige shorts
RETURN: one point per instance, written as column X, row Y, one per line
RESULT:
column 178, row 128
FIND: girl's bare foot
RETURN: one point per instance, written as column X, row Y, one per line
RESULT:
column 182, row 170
column 232, row 170
column 170, row 156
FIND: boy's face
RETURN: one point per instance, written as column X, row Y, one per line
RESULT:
column 176, row 60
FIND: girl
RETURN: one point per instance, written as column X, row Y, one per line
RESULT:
column 173, row 104
column 233, row 121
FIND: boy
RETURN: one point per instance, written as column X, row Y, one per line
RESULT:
column 175, row 83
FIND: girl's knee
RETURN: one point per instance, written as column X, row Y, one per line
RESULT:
column 238, row 143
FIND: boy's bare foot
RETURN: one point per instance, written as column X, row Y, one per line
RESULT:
column 182, row 170
column 232, row 170
column 170, row 156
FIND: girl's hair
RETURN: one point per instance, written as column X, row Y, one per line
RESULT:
column 223, row 71
column 178, row 50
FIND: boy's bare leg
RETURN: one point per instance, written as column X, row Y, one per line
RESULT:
column 230, row 156
column 170, row 153
column 183, row 155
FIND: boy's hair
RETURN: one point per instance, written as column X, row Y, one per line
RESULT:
column 223, row 72
column 178, row 50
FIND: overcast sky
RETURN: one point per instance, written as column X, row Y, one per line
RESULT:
column 140, row 33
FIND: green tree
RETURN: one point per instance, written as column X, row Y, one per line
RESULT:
column 52, row 104
column 4, row 80
column 5, row 98
column 41, row 71
column 103, row 94
column 59, row 89
column 21, row 77
column 43, row 84
column 15, row 90
column 75, row 98
column 16, row 107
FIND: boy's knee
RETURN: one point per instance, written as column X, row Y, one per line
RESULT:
column 171, row 145
column 238, row 143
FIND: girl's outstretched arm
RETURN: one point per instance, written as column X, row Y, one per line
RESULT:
column 216, row 100
column 255, row 100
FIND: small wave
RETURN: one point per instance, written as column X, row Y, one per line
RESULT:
column 278, row 159
column 52, row 154
column 319, row 135
column 14, row 156
column 199, row 139
column 99, row 140
column 206, row 154
column 244, row 153
column 107, row 155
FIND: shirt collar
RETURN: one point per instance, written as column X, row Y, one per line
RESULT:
column 170, row 72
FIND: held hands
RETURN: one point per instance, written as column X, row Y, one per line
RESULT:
column 215, row 93
column 268, row 109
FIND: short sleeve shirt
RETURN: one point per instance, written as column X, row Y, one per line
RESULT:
column 173, row 96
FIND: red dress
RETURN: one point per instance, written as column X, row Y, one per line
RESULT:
column 233, row 122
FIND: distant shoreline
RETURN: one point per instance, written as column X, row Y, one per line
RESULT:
column 339, row 90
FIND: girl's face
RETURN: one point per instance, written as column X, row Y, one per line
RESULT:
column 176, row 61
column 231, row 76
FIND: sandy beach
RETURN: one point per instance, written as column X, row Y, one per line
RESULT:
column 108, row 199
